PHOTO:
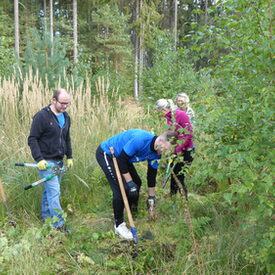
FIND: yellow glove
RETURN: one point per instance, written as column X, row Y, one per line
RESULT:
column 42, row 164
column 70, row 163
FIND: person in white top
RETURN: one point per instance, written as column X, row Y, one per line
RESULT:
column 183, row 103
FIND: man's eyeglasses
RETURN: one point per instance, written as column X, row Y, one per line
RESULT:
column 64, row 103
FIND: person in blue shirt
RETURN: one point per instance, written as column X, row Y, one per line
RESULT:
column 131, row 146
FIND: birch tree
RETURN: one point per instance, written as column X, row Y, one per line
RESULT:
column 136, row 65
column 16, row 28
column 175, row 22
column 51, row 22
column 75, row 30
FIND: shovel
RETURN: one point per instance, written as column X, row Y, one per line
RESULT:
column 125, row 200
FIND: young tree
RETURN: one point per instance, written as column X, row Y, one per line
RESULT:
column 6, row 43
column 112, row 42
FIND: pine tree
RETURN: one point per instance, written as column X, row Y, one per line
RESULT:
column 112, row 42
column 38, row 57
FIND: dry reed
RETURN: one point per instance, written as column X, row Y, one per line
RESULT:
column 96, row 114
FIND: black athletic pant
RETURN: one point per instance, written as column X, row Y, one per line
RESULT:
column 179, row 171
column 106, row 163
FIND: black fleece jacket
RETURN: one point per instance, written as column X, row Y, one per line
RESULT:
column 47, row 140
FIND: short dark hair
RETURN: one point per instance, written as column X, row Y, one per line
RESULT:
column 57, row 93
column 172, row 137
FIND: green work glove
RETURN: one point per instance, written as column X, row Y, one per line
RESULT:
column 42, row 164
column 70, row 163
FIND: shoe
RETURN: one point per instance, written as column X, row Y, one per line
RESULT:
column 123, row 232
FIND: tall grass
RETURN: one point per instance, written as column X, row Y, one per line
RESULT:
column 32, row 248
column 94, row 118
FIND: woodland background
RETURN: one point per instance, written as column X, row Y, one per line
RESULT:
column 117, row 58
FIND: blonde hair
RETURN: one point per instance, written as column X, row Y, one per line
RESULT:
column 184, row 96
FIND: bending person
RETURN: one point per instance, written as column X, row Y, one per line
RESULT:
column 131, row 146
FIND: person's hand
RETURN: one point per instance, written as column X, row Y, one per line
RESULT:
column 132, row 190
column 153, row 200
column 42, row 164
column 70, row 163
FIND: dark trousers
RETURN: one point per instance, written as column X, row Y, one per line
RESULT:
column 106, row 163
column 179, row 171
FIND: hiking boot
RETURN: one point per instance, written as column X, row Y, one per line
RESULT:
column 123, row 232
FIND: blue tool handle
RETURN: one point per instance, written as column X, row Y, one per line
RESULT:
column 134, row 232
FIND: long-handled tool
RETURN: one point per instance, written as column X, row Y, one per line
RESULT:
column 56, row 171
column 4, row 199
column 29, row 165
column 168, row 172
column 182, row 187
column 188, row 219
column 125, row 200
column 39, row 181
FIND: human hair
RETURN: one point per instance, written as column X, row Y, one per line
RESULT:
column 57, row 93
column 164, row 103
column 172, row 137
column 183, row 95
column 169, row 136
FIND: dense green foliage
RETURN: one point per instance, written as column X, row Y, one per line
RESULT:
column 224, row 62
column 39, row 60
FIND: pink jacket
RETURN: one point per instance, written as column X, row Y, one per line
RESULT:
column 180, row 123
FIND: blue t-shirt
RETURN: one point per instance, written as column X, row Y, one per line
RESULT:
column 61, row 119
column 136, row 143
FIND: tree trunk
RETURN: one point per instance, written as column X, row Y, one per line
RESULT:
column 205, row 12
column 51, row 26
column 136, row 66
column 16, row 29
column 141, row 49
column 75, row 30
column 45, row 15
column 175, row 22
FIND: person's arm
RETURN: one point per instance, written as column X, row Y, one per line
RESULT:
column 151, row 179
column 35, row 133
column 151, row 191
column 68, row 141
column 127, row 177
column 122, row 161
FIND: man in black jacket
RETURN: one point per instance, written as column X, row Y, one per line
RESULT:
column 50, row 141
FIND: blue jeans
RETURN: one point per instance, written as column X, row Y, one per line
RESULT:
column 51, row 196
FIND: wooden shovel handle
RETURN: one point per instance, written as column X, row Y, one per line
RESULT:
column 123, row 193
